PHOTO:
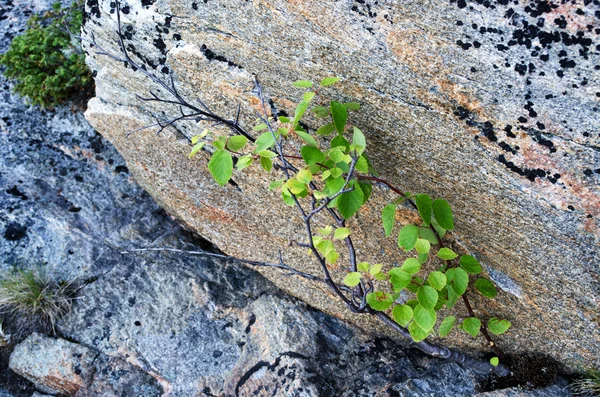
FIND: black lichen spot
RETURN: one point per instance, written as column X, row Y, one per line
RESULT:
column 147, row 3
column 540, row 126
column 509, row 132
column 176, row 36
column 507, row 148
column 165, row 70
column 137, row 323
column 217, row 354
column 14, row 191
column 571, row 208
column 195, row 6
column 121, row 169
column 522, row 119
column 15, row 232
column 488, row 131
column 210, row 55
column 464, row 46
column 160, row 44
column 588, row 172
column 521, row 68
column 125, row 9
column 530, row 174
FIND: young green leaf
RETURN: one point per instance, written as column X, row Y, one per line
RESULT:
column 422, row 246
column 283, row 119
column 352, row 105
column 307, row 138
column 299, row 112
column 276, row 184
column 375, row 269
column 332, row 257
column 486, row 287
column 327, row 129
column 399, row 279
column 388, row 216
column 379, row 300
column 268, row 154
column 320, row 111
column 197, row 147
column 497, row 326
column 221, row 166
column 446, row 326
column 424, row 205
column 425, row 318
column 341, row 233
column 494, row 361
column 443, row 214
column 427, row 297
column 408, row 237
column 427, row 234
column 452, row 297
column 363, row 266
column 264, row 142
column 352, row 279
column 471, row 326
column 411, row 266
column 308, row 96
column 340, row 141
column 312, row 155
column 350, row 202
column 266, row 163
column 359, row 141
column 327, row 81
column 416, row 332
column 362, row 165
column 243, row 162
column 340, row 116
column 302, row 84
column 325, row 231
column 437, row 280
column 304, row 176
column 460, row 281
column 402, row 314
column 446, row 254
column 260, row 127
column 470, row 264
column 236, row 142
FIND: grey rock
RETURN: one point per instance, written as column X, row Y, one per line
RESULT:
column 5, row 393
column 491, row 106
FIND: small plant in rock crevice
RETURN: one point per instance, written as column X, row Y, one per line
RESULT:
column 587, row 384
column 327, row 171
column 46, row 60
column 35, row 296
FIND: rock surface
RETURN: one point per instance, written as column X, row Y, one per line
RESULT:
column 491, row 105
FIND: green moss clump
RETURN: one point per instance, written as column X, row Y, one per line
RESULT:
column 47, row 60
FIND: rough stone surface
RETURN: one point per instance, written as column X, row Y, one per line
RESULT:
column 491, row 105
column 53, row 365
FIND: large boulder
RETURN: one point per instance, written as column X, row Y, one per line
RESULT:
column 491, row 106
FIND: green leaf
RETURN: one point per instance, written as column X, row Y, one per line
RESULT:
column 327, row 81
column 327, row 129
column 408, row 237
column 341, row 233
column 427, row 297
column 486, row 287
column 460, row 282
column 352, row 279
column 470, row 264
column 363, row 266
column 362, row 165
column 304, row 176
column 221, row 166
column 375, row 269
column 417, row 332
column 437, row 280
column 302, row 84
column 471, row 326
column 359, row 141
column 446, row 326
column 452, row 297
column 268, row 154
column 446, row 254
column 300, row 110
column 399, row 279
column 236, row 142
column 494, row 361
column 334, row 185
column 243, row 162
column 308, row 96
column 423, row 257
column 350, row 202
column 402, row 314
column 366, row 188
column 497, row 326
column 352, row 105
column 411, row 266
column 276, row 184
column 218, row 143
column 197, row 147
column 260, row 127
column 293, row 185
column 306, row 138
column 264, row 142
column 422, row 246
column 424, row 205
column 379, row 300
column 312, row 155
column 332, row 256
column 339, row 115
column 443, row 214
column 425, row 318
column 320, row 111
column 283, row 119
column 340, row 141
column 266, row 163
column 427, row 234
column 388, row 216
column 325, row 231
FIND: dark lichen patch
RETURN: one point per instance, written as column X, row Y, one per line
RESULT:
column 14, row 191
column 15, row 231
column 528, row 371
column 211, row 56
column 529, row 173
column 148, row 3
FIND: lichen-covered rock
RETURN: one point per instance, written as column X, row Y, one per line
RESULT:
column 491, row 105
column 53, row 365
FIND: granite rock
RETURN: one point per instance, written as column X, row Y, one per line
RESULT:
column 491, row 105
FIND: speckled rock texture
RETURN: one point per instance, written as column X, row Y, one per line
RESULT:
column 491, row 105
